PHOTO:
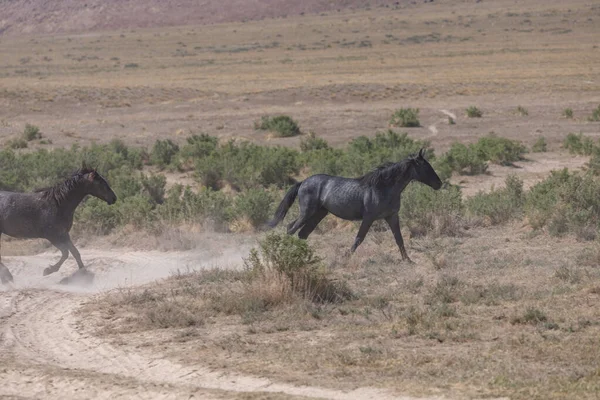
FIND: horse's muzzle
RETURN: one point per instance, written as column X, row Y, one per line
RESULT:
column 112, row 200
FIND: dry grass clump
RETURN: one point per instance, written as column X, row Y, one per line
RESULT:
column 494, row 312
column 283, row 271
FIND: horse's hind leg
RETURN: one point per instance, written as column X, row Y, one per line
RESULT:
column 362, row 232
column 63, row 246
column 312, row 223
column 5, row 275
column 309, row 205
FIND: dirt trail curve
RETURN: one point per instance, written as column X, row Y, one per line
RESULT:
column 48, row 351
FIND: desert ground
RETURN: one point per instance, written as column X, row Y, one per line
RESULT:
column 499, row 312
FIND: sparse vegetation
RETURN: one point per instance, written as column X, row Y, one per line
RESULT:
column 522, row 111
column 474, row 112
column 312, row 142
column 281, row 125
column 540, row 145
column 568, row 113
column 405, row 118
column 595, row 115
column 499, row 206
column 17, row 144
column 579, row 144
column 31, row 132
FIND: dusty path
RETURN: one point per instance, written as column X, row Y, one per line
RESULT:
column 47, row 350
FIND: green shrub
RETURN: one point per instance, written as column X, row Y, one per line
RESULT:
column 565, row 203
column 199, row 146
column 293, row 258
column 568, row 113
column 499, row 206
column 499, row 150
column 312, row 142
column 154, row 186
column 31, row 132
column 578, row 144
column 595, row 114
column 248, row 165
column 282, row 125
column 405, row 118
column 97, row 217
column 474, row 112
column 540, row 146
column 254, row 204
column 163, row 153
column 464, row 160
column 183, row 205
column 17, row 144
column 432, row 212
column 593, row 164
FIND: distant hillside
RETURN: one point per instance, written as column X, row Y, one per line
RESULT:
column 60, row 16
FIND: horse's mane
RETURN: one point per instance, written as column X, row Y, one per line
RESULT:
column 386, row 173
column 60, row 191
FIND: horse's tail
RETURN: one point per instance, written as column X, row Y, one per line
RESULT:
column 285, row 205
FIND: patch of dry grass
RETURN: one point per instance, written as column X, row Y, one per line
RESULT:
column 502, row 316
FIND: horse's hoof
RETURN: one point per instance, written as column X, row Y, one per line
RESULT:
column 408, row 261
column 48, row 271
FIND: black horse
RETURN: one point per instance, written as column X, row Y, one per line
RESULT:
column 48, row 213
column 373, row 196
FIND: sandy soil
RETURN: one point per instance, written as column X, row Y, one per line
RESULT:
column 48, row 350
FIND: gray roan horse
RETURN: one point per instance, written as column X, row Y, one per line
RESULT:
column 48, row 213
column 373, row 196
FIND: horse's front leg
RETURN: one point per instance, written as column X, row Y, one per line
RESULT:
column 76, row 254
column 394, row 223
column 63, row 246
column 362, row 232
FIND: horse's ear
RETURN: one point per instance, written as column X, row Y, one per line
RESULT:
column 422, row 153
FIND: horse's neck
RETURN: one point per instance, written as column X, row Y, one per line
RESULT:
column 72, row 200
column 403, row 180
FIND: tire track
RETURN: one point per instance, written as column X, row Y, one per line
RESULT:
column 47, row 350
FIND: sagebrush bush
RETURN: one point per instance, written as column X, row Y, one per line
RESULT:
column 282, row 125
column 433, row 212
column 31, row 132
column 198, row 146
column 499, row 206
column 405, row 118
column 568, row 113
column 578, row 144
column 466, row 160
column 294, row 259
column 163, row 153
column 254, row 205
column 565, row 202
column 499, row 150
column 474, row 112
column 540, row 145
column 311, row 142
column 17, row 144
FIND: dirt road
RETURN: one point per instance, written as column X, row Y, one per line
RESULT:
column 48, row 350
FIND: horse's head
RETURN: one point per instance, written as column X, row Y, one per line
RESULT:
column 424, row 172
column 97, row 186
